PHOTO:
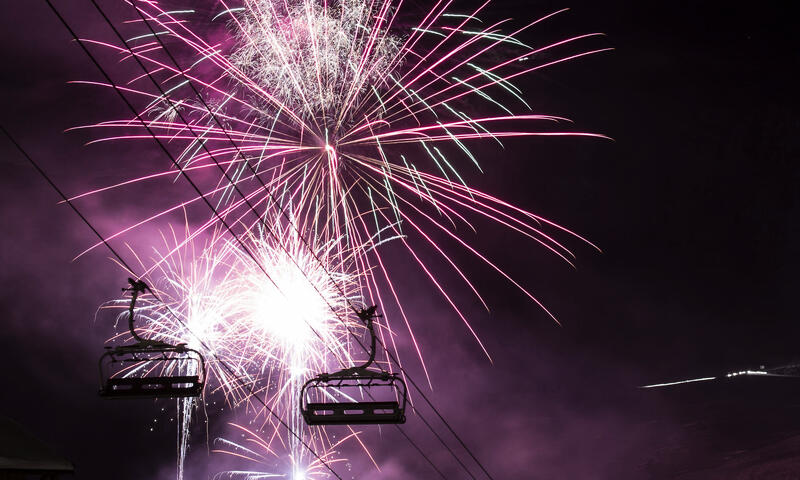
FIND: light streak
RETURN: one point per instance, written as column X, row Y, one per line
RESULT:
column 668, row 384
column 772, row 372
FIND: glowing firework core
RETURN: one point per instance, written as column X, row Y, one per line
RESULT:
column 289, row 308
column 333, row 160
column 292, row 314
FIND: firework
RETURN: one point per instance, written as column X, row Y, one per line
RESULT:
column 360, row 123
column 329, row 131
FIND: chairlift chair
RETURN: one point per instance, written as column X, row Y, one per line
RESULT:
column 147, row 368
column 328, row 389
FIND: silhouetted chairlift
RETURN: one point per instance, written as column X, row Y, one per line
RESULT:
column 145, row 369
column 333, row 405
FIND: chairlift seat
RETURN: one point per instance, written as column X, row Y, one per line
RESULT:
column 350, row 412
column 152, row 387
column 161, row 380
column 353, row 413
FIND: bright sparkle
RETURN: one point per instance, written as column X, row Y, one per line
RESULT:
column 310, row 54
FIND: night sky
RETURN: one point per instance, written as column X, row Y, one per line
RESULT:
column 694, row 203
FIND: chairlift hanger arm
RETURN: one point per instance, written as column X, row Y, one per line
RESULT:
column 137, row 287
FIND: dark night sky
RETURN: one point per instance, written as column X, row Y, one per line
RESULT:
column 694, row 204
